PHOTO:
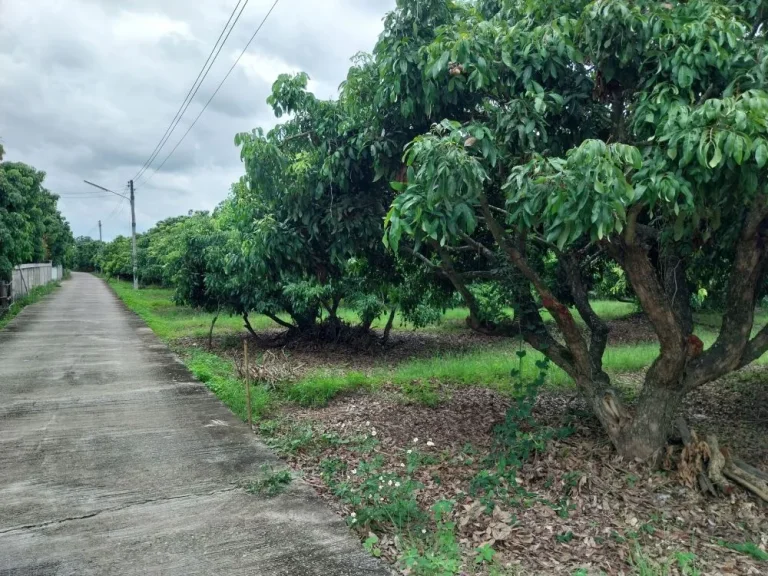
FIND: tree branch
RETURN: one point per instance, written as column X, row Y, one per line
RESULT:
column 669, row 365
column 477, row 246
column 755, row 348
column 562, row 316
column 728, row 351
column 459, row 284
column 677, row 289
column 598, row 328
column 277, row 320
column 536, row 334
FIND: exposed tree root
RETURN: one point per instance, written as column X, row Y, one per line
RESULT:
column 706, row 464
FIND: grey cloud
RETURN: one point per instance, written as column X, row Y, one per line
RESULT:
column 89, row 87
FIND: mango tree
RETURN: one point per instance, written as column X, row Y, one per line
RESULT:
column 310, row 209
column 634, row 130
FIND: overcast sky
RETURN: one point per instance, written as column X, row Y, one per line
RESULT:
column 87, row 88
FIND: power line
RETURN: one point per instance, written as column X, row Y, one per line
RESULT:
column 82, row 196
column 105, row 189
column 201, row 76
column 214, row 94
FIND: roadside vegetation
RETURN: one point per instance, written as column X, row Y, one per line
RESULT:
column 31, row 227
column 35, row 295
column 505, row 296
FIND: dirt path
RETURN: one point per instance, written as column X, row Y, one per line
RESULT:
column 114, row 461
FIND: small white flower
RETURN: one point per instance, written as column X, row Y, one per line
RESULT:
column 430, row 443
column 381, row 478
column 402, row 465
column 368, row 423
column 423, row 530
column 389, row 483
column 354, row 471
column 353, row 515
column 397, row 484
column 354, row 520
column 415, row 440
column 381, row 499
column 373, row 432
column 409, row 452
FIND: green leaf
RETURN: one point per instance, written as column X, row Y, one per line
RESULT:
column 761, row 153
column 738, row 149
column 717, row 157
column 441, row 63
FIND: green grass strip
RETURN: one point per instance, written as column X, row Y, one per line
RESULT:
column 35, row 295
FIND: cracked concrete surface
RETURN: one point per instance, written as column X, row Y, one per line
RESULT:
column 113, row 460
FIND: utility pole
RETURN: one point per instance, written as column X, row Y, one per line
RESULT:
column 133, row 236
column 133, row 225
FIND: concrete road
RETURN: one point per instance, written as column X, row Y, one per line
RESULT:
column 113, row 460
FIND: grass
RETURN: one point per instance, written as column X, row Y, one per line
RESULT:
column 749, row 548
column 157, row 309
column 274, row 483
column 170, row 322
column 35, row 295
column 217, row 374
column 418, row 379
column 318, row 389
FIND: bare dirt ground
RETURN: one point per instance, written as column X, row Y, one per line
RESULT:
column 612, row 506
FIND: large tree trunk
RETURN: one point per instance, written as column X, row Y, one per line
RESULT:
column 653, row 421
column 643, row 433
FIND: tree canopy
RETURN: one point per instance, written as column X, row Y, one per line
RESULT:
column 31, row 227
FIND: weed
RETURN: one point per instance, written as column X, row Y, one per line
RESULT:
column 686, row 562
column 749, row 548
column 648, row 528
column 370, row 545
column 438, row 554
column 332, row 467
column 415, row 459
column 616, row 537
column 484, row 554
column 301, row 437
column 272, row 484
column 563, row 538
column 645, row 566
column 382, row 498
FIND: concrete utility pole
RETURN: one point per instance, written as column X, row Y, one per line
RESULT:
column 133, row 237
column 133, row 225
